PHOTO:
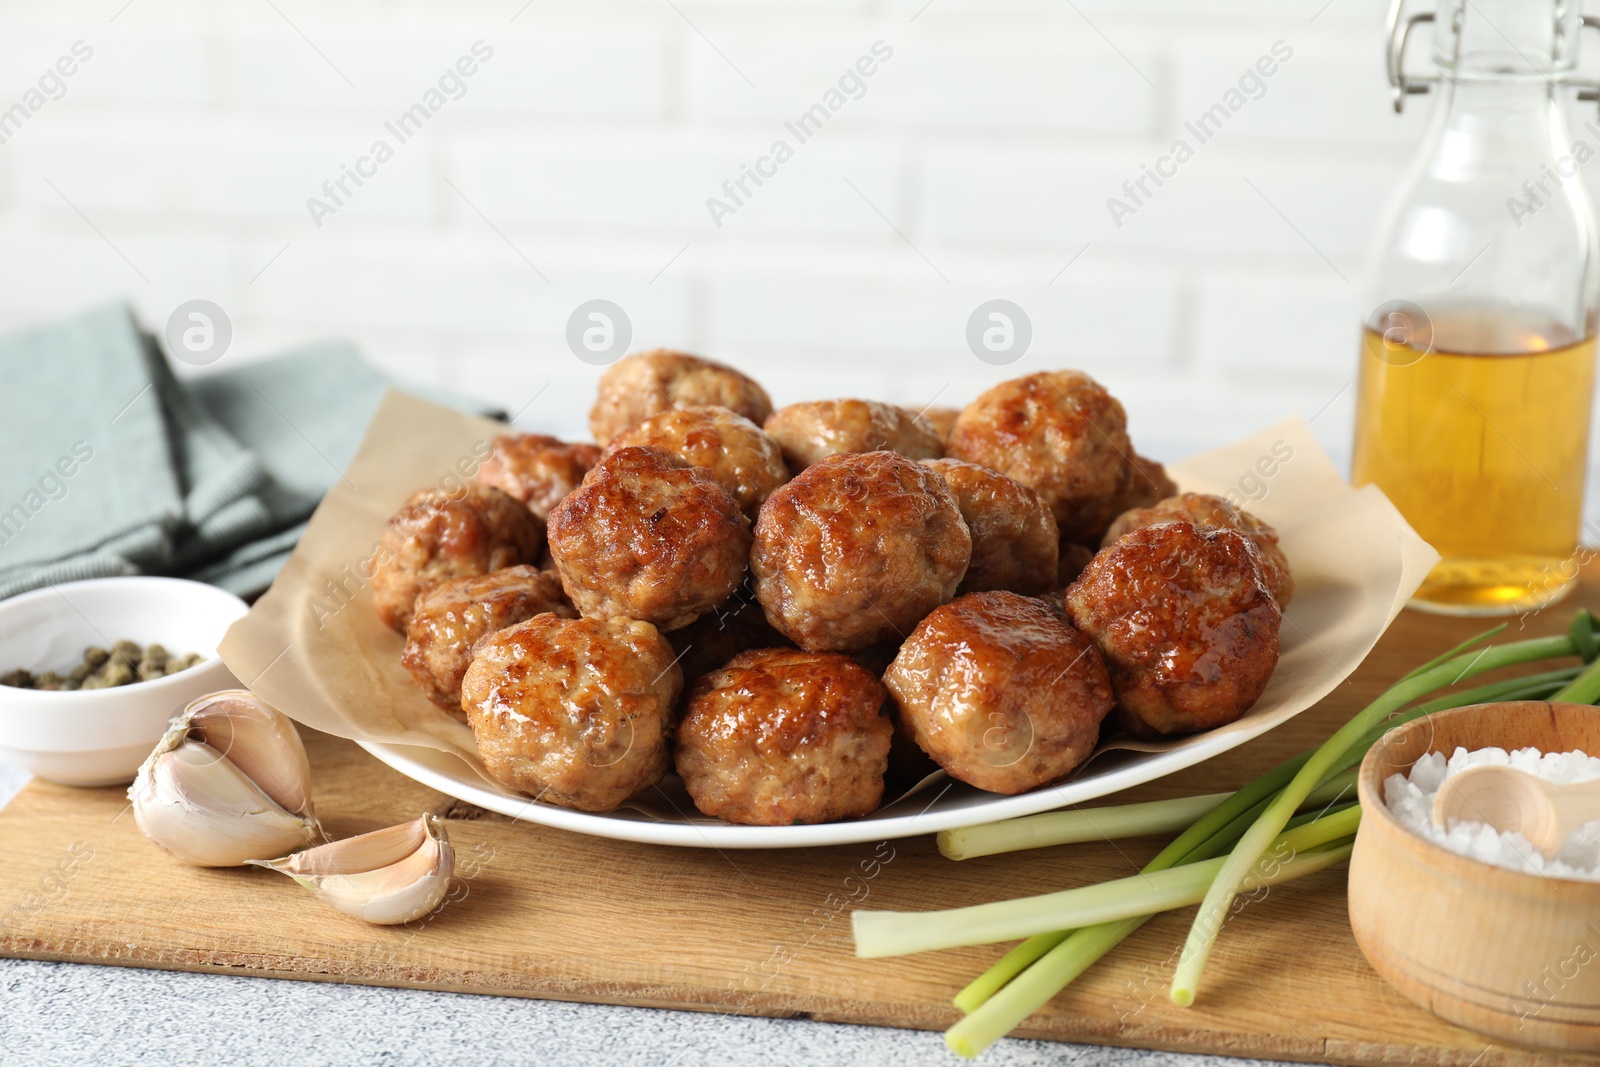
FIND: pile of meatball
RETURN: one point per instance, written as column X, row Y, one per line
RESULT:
column 788, row 607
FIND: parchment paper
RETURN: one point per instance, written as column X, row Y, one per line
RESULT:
column 313, row 647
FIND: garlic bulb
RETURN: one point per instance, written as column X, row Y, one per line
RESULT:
column 386, row 877
column 227, row 783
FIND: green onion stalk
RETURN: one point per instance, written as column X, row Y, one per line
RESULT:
column 1246, row 825
column 1100, row 824
column 892, row 933
column 1336, row 751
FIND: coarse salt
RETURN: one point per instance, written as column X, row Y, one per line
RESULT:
column 1410, row 800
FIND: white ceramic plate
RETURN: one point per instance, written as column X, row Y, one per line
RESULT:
column 1355, row 562
column 944, row 805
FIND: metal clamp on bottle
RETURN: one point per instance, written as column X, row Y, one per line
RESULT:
column 1398, row 32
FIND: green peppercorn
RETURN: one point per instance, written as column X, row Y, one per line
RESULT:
column 123, row 663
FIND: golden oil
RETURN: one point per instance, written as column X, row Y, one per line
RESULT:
column 1481, row 440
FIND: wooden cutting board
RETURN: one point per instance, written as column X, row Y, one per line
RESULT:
column 545, row 913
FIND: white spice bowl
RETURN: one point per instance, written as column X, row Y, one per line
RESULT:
column 100, row 737
column 1509, row 954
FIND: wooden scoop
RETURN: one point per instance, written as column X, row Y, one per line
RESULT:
column 1514, row 801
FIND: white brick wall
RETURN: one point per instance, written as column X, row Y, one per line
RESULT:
column 975, row 164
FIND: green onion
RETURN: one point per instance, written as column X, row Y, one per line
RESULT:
column 1203, row 933
column 1037, row 969
column 1014, row 962
column 1469, row 643
column 897, row 933
column 1006, row 1009
column 1110, row 823
column 1223, row 835
column 1004, row 1012
column 1072, row 827
column 1585, row 688
column 1006, row 968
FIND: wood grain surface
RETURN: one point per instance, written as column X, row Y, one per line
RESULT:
column 544, row 913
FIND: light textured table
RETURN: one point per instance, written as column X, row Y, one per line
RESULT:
column 71, row 1014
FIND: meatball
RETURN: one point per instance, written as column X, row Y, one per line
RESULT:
column 736, row 625
column 1057, row 432
column 1215, row 512
column 439, row 535
column 1015, row 544
column 535, row 469
column 779, row 737
column 940, row 420
column 856, row 550
column 1146, row 483
column 816, row 429
column 647, row 536
column 649, row 383
column 1001, row 691
column 1185, row 623
column 576, row 712
column 450, row 618
column 745, row 460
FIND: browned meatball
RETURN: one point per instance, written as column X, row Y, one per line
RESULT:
column 856, row 550
column 440, row 535
column 941, row 420
column 779, row 737
column 745, row 460
column 1070, row 563
column 736, row 625
column 1185, row 623
column 647, row 536
column 1015, row 544
column 537, row 470
column 1144, row 484
column 1001, row 691
column 816, row 429
column 648, row 383
column 576, row 712
column 1057, row 432
column 1214, row 512
column 450, row 618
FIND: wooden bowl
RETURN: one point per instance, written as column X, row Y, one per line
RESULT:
column 1509, row 954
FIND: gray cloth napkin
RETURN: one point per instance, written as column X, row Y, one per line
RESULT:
column 111, row 465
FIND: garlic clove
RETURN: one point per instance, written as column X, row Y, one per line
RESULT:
column 259, row 740
column 228, row 782
column 204, row 810
column 386, row 877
